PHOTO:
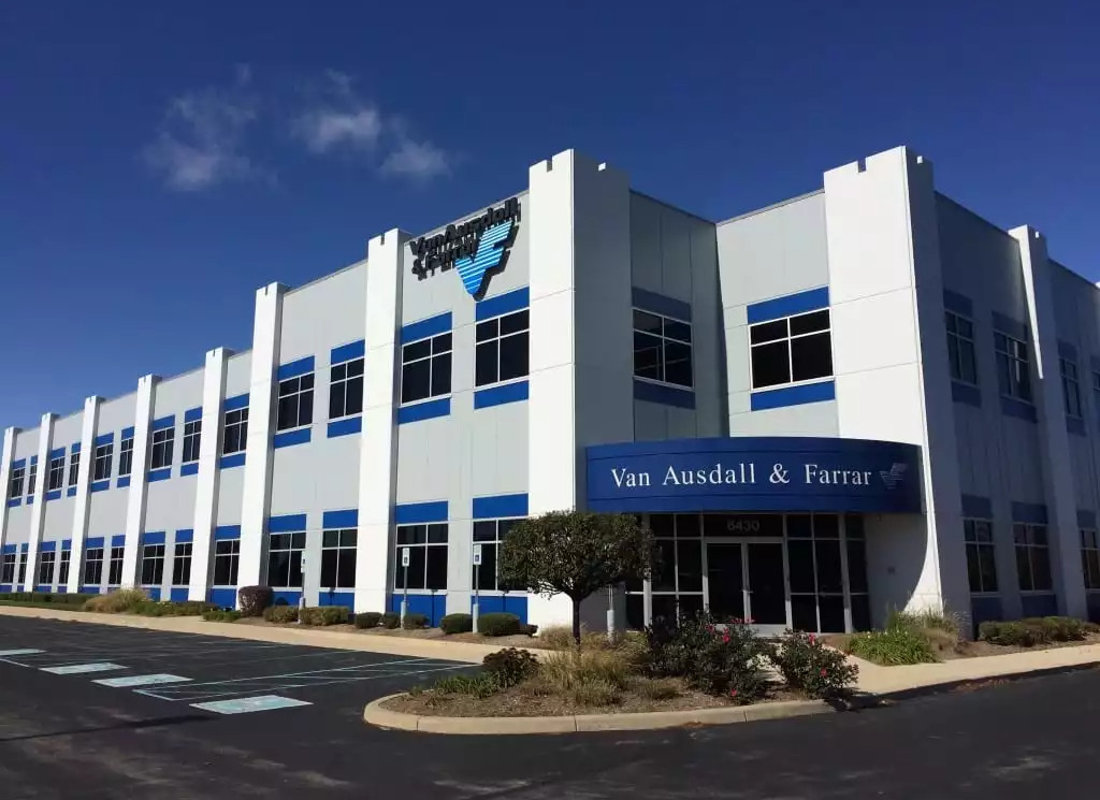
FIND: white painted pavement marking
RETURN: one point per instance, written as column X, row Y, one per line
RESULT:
column 141, row 680
column 246, row 705
column 77, row 669
column 25, row 652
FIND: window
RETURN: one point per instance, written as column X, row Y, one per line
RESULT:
column 192, row 433
column 152, row 565
column 227, row 555
column 338, row 559
column 181, row 564
column 63, row 570
column 1032, row 557
column 15, row 488
column 74, row 467
column 7, row 570
column 426, row 368
column 162, row 448
column 295, row 402
column 56, row 476
column 125, row 455
column 1013, row 373
column 1090, row 558
column 23, row 568
column 960, row 348
column 93, row 566
column 31, row 476
column 427, row 546
column 1071, row 388
column 981, row 562
column 345, row 396
column 284, row 560
column 114, row 577
column 791, row 350
column 46, row 562
column 490, row 535
column 662, row 348
column 502, row 352
column 236, row 431
column 102, row 461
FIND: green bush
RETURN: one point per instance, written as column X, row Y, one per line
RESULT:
column 657, row 688
column 391, row 620
column 898, row 645
column 498, row 624
column 567, row 669
column 120, row 601
column 481, row 685
column 808, row 665
column 324, row 615
column 528, row 630
column 925, row 619
column 368, row 619
column 597, row 693
column 457, row 623
column 172, row 608
column 70, row 601
column 1033, row 631
column 254, row 599
column 221, row 615
column 414, row 621
column 281, row 614
column 511, row 666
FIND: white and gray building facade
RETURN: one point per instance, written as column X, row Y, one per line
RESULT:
column 860, row 399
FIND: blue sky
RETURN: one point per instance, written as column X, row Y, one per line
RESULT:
column 158, row 165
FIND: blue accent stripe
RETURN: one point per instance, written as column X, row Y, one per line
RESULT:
column 345, row 427
column 412, row 513
column 15, row 501
column 75, row 448
column 163, row 422
column 431, row 326
column 190, row 468
column 501, row 505
column 54, row 495
column 959, row 303
column 57, row 453
column 286, row 522
column 70, row 492
column 20, row 463
column 1014, row 328
column 490, row 250
column 123, row 482
column 185, row 535
column 433, row 408
column 1034, row 513
column 118, row 540
column 34, row 460
column 499, row 395
column 794, row 396
column 23, row 547
column 127, row 433
column 227, row 532
column 30, row 500
column 152, row 537
column 966, row 394
column 192, row 414
column 340, row 519
column 1067, row 350
column 978, row 507
column 1012, row 407
column 104, row 438
column 233, row 403
column 660, row 304
column 789, row 305
column 178, row 595
column 347, row 352
column 1085, row 518
column 502, row 304
column 230, row 461
column 47, row 547
column 302, row 366
column 66, row 544
column 291, row 438
column 94, row 542
column 9, row 548
column 665, row 395
column 100, row 486
column 159, row 475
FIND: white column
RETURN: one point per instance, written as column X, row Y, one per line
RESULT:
column 1054, row 449
column 38, row 510
column 5, row 481
column 378, row 444
column 256, row 499
column 135, row 502
column 88, row 428
column 206, row 486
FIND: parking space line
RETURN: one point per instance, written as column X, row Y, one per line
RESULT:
column 24, row 652
column 130, row 681
column 79, row 669
column 245, row 705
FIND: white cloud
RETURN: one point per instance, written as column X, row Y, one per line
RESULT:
column 419, row 160
column 337, row 118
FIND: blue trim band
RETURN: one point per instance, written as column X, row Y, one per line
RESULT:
column 75, row 448
column 47, row 547
column 20, row 463
column 966, row 394
column 977, row 507
column 23, row 547
column 428, row 410
column 502, row 304
column 1085, row 518
column 345, row 427
column 100, row 486
column 223, row 532
column 233, row 403
column 347, row 352
column 54, row 495
column 1012, row 407
column 94, row 542
column 1067, row 351
column 660, row 304
column 192, row 414
column 118, row 540
column 1003, row 323
column 70, row 492
column 412, row 513
column 123, row 482
column 190, row 468
column 162, row 423
column 1034, row 513
column 153, row 537
column 58, row 453
column 788, row 305
column 291, row 438
column 431, row 326
column 9, row 548
column 293, row 523
column 104, row 438
column 15, row 501
column 34, row 460
column 793, row 396
column 1075, row 425
column 303, row 366
column 665, row 395
column 159, row 475
column 185, row 535
column 127, row 433
column 499, row 395
column 340, row 519
column 30, row 500
column 232, row 460
column 959, row 303
column 501, row 505
column 66, row 544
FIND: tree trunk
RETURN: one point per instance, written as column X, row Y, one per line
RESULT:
column 577, row 621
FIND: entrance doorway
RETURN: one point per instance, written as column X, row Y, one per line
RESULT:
column 747, row 580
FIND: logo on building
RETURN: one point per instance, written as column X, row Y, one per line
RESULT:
column 892, row 477
column 477, row 248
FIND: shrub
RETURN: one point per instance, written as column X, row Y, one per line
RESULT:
column 511, row 666
column 324, row 615
column 221, row 615
column 898, row 645
column 119, row 601
column 925, row 619
column 1064, row 629
column 808, row 665
column 567, row 669
column 657, row 689
column 597, row 693
column 368, row 619
column 391, row 620
column 481, row 685
column 281, row 614
column 254, row 599
column 414, row 621
column 1033, row 631
column 528, row 629
column 457, row 623
column 498, row 624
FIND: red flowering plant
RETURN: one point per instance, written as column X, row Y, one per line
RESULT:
column 808, row 665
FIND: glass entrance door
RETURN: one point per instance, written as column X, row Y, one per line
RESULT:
column 746, row 580
column 725, row 581
column 766, row 584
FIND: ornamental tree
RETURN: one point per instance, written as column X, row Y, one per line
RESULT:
column 575, row 553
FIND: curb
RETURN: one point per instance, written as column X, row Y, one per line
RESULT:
column 374, row 714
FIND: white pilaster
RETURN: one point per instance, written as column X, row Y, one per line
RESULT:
column 1054, row 447
column 88, row 427
column 139, row 484
column 38, row 510
column 5, row 481
column 256, row 499
column 206, row 486
column 378, row 444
